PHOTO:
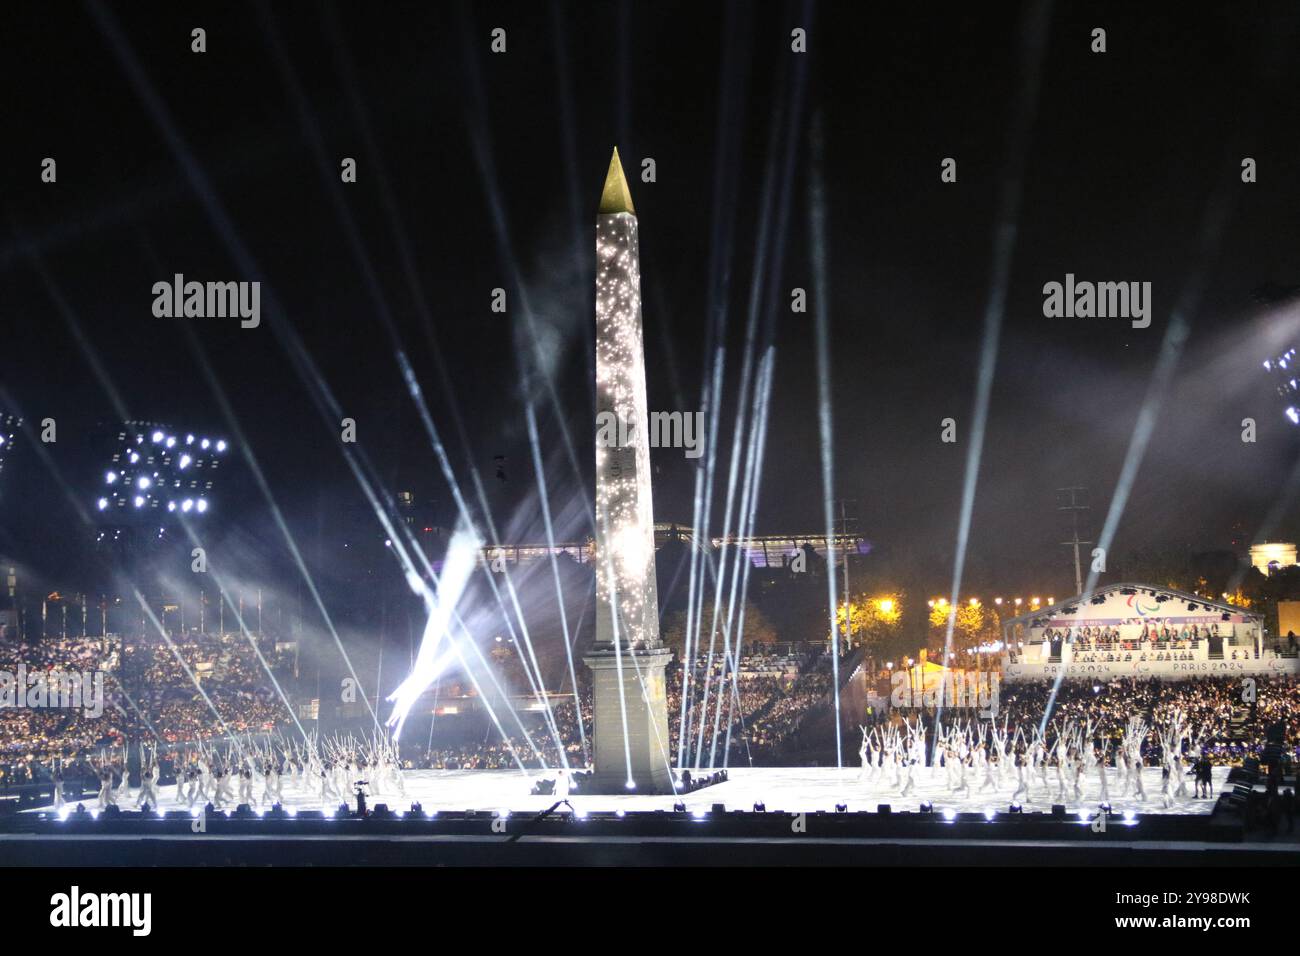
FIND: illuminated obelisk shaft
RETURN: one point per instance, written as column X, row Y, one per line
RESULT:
column 627, row 661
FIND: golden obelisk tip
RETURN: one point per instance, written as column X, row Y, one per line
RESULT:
column 615, row 197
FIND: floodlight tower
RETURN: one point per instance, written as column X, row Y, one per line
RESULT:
column 628, row 659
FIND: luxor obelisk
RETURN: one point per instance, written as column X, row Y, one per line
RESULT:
column 627, row 660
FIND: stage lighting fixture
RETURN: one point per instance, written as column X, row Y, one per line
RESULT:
column 949, row 814
column 1058, row 811
column 927, row 807
column 841, row 808
column 221, row 446
column 1129, row 816
column 989, row 814
column 760, row 807
column 580, row 814
column 102, row 503
column 149, row 467
column 884, row 808
column 1016, row 808
column 205, row 444
column 719, row 808
column 620, row 813
column 679, row 807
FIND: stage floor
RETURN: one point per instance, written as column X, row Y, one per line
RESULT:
column 780, row 789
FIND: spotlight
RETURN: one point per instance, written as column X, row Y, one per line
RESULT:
column 927, row 807
column 760, row 807
column 620, row 813
column 884, row 809
column 171, row 442
column 204, row 444
column 1017, row 808
column 679, row 807
column 1058, row 811
column 841, row 808
column 139, row 501
column 989, row 814
column 1129, row 816
column 221, row 446
column 157, row 437
column 102, row 503
column 949, row 814
column 201, row 505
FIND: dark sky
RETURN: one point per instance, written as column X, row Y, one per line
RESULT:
column 1124, row 151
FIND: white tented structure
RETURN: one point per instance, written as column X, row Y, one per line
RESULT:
column 1138, row 630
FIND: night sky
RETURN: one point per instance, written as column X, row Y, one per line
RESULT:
column 458, row 148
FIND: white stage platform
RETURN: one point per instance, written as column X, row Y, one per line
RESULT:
column 781, row 789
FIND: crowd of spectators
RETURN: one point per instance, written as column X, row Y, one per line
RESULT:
column 1230, row 716
column 151, row 690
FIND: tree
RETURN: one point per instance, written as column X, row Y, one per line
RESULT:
column 757, row 629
